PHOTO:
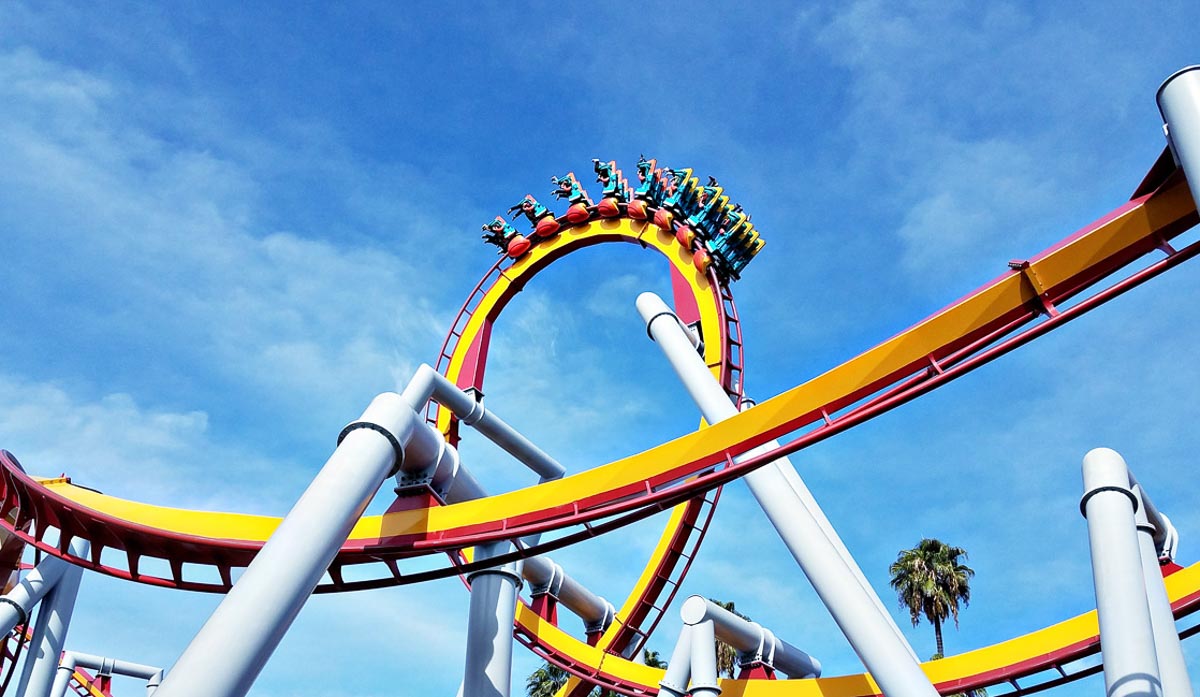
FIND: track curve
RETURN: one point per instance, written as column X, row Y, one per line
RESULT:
column 1025, row 302
column 82, row 683
column 700, row 297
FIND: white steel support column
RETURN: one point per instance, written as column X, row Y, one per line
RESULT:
column 1126, row 634
column 750, row 638
column 109, row 666
column 17, row 604
column 679, row 668
column 427, row 383
column 541, row 572
column 50, row 631
column 715, row 406
column 704, row 660
column 776, row 486
column 488, row 671
column 546, row 576
column 1179, row 103
column 231, row 649
column 1172, row 667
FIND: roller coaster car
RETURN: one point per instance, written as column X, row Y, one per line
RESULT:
column 707, row 220
column 652, row 183
column 616, row 191
column 685, row 236
column 608, row 207
column 568, row 187
column 499, row 233
column 664, row 219
column 717, row 234
column 653, row 187
column 611, row 178
column 517, row 246
column 544, row 224
column 684, row 188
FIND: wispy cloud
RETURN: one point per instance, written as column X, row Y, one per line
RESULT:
column 221, row 239
column 168, row 242
column 131, row 451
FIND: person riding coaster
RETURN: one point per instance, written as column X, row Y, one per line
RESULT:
column 542, row 219
column 568, row 187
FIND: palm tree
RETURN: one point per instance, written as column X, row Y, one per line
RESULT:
column 549, row 679
column 653, row 659
column 546, row 681
column 930, row 581
column 727, row 663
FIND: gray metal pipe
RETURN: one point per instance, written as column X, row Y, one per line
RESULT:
column 750, row 638
column 718, row 403
column 546, row 576
column 1172, row 667
column 488, row 670
column 108, row 666
column 459, row 485
column 679, row 668
column 235, row 643
column 777, row 488
column 463, row 486
column 30, row 589
column 50, row 631
column 541, row 572
column 428, row 384
column 596, row 612
column 1165, row 536
column 704, row 661
column 1126, row 633
column 1179, row 102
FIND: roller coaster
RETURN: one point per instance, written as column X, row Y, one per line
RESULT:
column 442, row 524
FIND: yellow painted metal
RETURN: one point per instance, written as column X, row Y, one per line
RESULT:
column 707, row 300
column 1077, row 630
column 254, row 528
column 577, row 237
column 81, row 679
column 1000, row 297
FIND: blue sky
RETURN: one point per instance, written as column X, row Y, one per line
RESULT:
column 225, row 228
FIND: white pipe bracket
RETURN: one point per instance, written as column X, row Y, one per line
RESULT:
column 553, row 585
column 391, row 416
column 1100, row 489
column 505, row 570
column 610, row 613
column 22, row 615
column 692, row 333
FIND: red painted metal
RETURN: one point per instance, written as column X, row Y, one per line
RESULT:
column 38, row 509
column 475, row 362
column 649, row 608
column 1005, row 675
column 619, row 507
column 685, row 304
column 957, row 358
column 468, row 308
column 756, row 671
column 669, row 575
column 546, row 607
column 21, row 635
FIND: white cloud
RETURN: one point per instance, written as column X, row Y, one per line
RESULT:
column 166, row 241
column 125, row 449
column 177, row 243
column 981, row 159
column 614, row 296
column 974, row 208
